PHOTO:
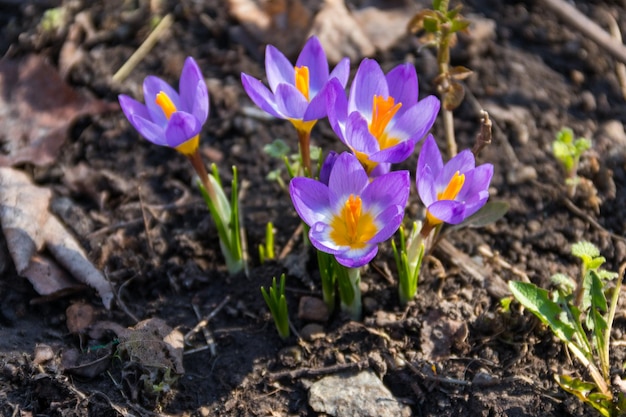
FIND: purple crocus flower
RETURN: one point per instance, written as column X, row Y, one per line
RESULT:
column 382, row 119
column 454, row 191
column 351, row 215
column 170, row 118
column 298, row 93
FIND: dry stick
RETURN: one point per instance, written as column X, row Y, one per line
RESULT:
column 143, row 49
column 588, row 27
column 620, row 67
column 309, row 372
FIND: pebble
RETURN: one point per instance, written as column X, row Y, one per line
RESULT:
column 312, row 332
column 588, row 101
column 290, row 356
column 348, row 395
column 521, row 175
column 313, row 309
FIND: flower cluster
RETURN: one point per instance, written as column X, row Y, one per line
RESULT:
column 356, row 201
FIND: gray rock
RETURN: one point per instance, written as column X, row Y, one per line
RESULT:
column 348, row 395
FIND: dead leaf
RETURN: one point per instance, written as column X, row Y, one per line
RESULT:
column 340, row 34
column 356, row 33
column 440, row 334
column 78, row 317
column 29, row 227
column 36, row 109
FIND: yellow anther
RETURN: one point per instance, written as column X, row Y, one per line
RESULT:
column 302, row 81
column 383, row 110
column 453, row 188
column 352, row 227
column 165, row 103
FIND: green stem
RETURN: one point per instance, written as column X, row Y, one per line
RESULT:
column 610, row 318
column 350, row 291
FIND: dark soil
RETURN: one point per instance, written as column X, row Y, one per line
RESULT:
column 451, row 352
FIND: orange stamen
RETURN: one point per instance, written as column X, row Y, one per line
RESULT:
column 302, row 81
column 165, row 103
column 352, row 227
column 383, row 110
column 453, row 188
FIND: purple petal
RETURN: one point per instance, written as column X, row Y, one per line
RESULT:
column 347, row 177
column 381, row 169
column 337, row 107
column 416, row 121
column 426, row 185
column 318, row 106
column 138, row 116
column 151, row 87
column 430, row 155
column 402, row 82
column 357, row 258
column 314, row 57
column 327, row 167
column 390, row 219
column 472, row 205
column 319, row 235
column 149, row 130
column 476, row 180
column 461, row 162
column 448, row 211
column 368, row 82
column 387, row 190
column 358, row 136
column 278, row 68
column 341, row 72
column 395, row 154
column 310, row 199
column 290, row 101
column 194, row 96
column 260, row 95
column 180, row 128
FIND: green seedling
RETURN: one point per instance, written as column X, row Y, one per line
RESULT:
column 578, row 314
column 408, row 256
column 226, row 216
column 277, row 304
column 266, row 251
column 440, row 27
column 568, row 152
column 278, row 149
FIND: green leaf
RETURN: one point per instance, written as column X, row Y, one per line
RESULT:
column 431, row 25
column 581, row 145
column 586, row 392
column 488, row 214
column 565, row 135
column 564, row 283
column 459, row 25
column 277, row 149
column 606, row 275
column 584, row 248
column 538, row 301
column 595, row 263
column 437, row 5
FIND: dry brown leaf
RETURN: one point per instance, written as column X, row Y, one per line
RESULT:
column 28, row 227
column 340, row 34
column 79, row 316
column 36, row 109
column 287, row 24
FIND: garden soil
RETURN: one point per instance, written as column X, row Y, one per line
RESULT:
column 133, row 206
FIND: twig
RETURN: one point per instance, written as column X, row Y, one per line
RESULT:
column 309, row 372
column 620, row 67
column 483, row 138
column 143, row 49
column 588, row 27
column 118, row 299
column 203, row 323
column 292, row 241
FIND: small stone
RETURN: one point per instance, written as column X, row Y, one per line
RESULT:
column 521, row 175
column 290, row 356
column 362, row 395
column 577, row 77
column 588, row 101
column 43, row 353
column 312, row 332
column 370, row 305
column 312, row 309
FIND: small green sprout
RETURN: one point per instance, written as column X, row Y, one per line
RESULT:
column 568, row 152
column 409, row 262
column 278, row 149
column 226, row 216
column 277, row 304
column 580, row 316
column 441, row 26
column 266, row 251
